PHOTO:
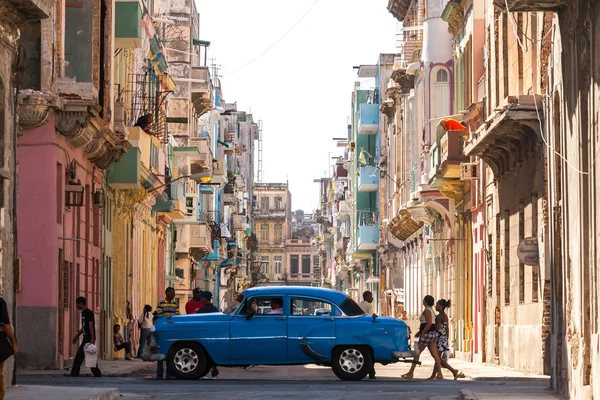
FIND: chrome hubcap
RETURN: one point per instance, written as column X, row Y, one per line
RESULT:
column 186, row 360
column 351, row 361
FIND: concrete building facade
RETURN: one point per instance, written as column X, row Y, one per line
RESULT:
column 14, row 19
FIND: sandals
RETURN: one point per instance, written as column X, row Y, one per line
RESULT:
column 460, row 374
column 407, row 376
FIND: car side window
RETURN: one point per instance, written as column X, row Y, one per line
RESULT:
column 313, row 308
column 265, row 306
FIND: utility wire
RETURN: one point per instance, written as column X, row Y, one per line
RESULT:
column 277, row 42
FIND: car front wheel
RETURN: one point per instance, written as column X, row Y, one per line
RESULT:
column 187, row 360
column 351, row 363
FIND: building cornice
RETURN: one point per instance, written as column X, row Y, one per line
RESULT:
column 77, row 120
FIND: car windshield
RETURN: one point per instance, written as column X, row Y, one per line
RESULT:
column 350, row 308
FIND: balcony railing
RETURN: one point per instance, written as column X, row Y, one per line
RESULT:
column 368, row 180
column 201, row 89
column 368, row 119
column 271, row 212
column 451, row 153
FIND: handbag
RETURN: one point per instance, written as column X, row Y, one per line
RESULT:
column 6, row 348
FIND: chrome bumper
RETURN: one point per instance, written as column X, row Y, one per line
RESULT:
column 404, row 354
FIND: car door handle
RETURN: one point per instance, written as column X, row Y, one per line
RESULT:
column 280, row 318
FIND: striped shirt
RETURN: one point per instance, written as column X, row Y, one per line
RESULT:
column 166, row 307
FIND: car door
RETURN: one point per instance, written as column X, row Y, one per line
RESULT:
column 311, row 329
column 260, row 339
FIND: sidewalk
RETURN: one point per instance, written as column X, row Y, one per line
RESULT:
column 115, row 368
column 60, row 393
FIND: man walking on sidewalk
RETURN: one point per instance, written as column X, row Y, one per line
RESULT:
column 88, row 329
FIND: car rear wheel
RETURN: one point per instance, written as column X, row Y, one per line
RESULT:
column 351, row 363
column 187, row 360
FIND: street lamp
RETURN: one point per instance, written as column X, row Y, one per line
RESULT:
column 198, row 176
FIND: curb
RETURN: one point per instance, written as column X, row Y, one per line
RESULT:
column 507, row 379
column 466, row 394
column 35, row 374
column 112, row 394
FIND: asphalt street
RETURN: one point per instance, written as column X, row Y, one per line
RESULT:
column 249, row 389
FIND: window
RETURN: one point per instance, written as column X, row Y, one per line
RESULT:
column 264, row 204
column 79, row 40
column 441, row 76
column 264, row 232
column 294, row 265
column 316, row 262
column 265, row 306
column 278, row 262
column 313, row 308
column 278, row 203
column 278, row 230
column 350, row 308
column 306, row 266
column 153, row 156
column 264, row 264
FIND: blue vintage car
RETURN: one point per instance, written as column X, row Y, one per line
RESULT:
column 283, row 325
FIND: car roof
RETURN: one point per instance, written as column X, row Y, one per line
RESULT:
column 329, row 294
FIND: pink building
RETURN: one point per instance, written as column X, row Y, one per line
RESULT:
column 62, row 153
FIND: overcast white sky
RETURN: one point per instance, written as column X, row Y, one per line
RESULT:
column 301, row 88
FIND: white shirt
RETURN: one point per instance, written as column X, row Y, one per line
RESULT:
column 367, row 307
column 276, row 311
column 146, row 321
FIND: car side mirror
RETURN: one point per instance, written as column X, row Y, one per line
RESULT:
column 374, row 317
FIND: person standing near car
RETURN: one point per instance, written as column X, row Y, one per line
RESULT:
column 194, row 304
column 209, row 307
column 88, row 330
column 367, row 307
column 168, row 306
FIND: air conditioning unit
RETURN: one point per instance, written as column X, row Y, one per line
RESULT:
column 469, row 171
column 180, row 273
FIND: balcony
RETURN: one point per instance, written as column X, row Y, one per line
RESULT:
column 141, row 164
column 219, row 171
column 229, row 199
column 270, row 213
column 368, row 230
column 175, row 206
column 368, row 179
column 194, row 238
column 451, row 154
column 200, row 155
column 239, row 222
column 240, row 182
column 532, row 5
column 201, row 89
column 128, row 25
column 368, row 238
column 125, row 174
column 368, row 119
column 435, row 177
